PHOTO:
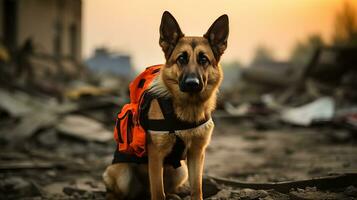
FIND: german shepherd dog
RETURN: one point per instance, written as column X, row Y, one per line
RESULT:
column 191, row 77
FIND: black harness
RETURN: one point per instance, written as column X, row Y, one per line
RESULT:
column 171, row 123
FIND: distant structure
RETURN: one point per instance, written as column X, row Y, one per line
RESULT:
column 52, row 27
column 104, row 61
column 272, row 72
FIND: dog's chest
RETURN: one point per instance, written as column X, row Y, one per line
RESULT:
column 198, row 136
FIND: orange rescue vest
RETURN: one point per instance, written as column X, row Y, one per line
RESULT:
column 128, row 132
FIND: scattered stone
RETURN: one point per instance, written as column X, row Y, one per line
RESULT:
column 17, row 104
column 210, row 187
column 48, row 138
column 321, row 109
column 221, row 195
column 187, row 198
column 55, row 188
column 173, row 197
column 351, row 191
column 84, row 128
column 313, row 194
column 243, row 194
column 16, row 187
column 274, row 195
column 72, row 191
column 29, row 124
column 250, row 194
column 51, row 173
column 82, row 187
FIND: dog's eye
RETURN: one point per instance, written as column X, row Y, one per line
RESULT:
column 182, row 59
column 202, row 59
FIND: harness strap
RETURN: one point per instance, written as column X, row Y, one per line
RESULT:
column 171, row 123
column 176, row 154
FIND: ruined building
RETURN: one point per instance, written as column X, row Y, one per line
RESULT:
column 45, row 35
column 54, row 26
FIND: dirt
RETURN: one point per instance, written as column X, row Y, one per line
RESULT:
column 51, row 166
column 288, row 153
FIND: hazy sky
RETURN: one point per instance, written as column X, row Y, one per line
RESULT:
column 132, row 26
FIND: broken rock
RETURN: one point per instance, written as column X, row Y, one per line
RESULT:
column 48, row 138
column 83, row 186
column 16, row 104
column 321, row 109
column 313, row 194
column 250, row 194
column 16, row 187
column 84, row 128
column 351, row 191
column 28, row 125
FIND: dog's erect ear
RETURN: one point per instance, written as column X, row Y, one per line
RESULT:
column 170, row 33
column 217, row 36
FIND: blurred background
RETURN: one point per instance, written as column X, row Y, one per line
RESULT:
column 287, row 108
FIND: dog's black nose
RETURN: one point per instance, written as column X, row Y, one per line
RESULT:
column 191, row 83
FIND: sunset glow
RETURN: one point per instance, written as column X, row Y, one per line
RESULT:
column 132, row 26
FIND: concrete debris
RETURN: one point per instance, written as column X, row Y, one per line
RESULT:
column 321, row 109
column 351, row 191
column 251, row 194
column 314, row 194
column 82, row 186
column 48, row 138
column 55, row 188
column 55, row 132
column 16, row 104
column 29, row 124
column 237, row 111
column 223, row 194
column 328, row 182
column 17, row 187
column 83, row 128
column 319, row 93
column 242, row 194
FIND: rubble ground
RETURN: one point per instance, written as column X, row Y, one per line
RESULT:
column 52, row 164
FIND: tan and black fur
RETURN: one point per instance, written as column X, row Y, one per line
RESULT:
column 187, row 59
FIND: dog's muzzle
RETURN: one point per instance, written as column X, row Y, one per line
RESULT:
column 191, row 83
